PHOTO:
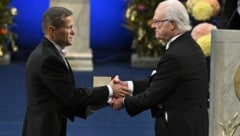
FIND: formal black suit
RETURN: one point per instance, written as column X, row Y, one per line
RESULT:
column 51, row 93
column 179, row 88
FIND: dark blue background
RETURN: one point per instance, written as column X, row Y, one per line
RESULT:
column 28, row 22
column 109, row 39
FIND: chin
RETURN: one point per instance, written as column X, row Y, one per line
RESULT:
column 159, row 37
column 67, row 45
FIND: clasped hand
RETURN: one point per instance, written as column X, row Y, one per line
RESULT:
column 120, row 90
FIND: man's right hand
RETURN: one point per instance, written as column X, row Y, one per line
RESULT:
column 120, row 89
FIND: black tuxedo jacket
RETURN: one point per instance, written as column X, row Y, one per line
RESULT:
column 51, row 93
column 180, row 87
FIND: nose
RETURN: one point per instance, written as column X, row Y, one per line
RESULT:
column 153, row 26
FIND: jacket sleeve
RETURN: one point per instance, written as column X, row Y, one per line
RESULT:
column 140, row 85
column 56, row 77
column 163, row 84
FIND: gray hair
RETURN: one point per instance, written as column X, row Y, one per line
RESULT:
column 54, row 17
column 177, row 12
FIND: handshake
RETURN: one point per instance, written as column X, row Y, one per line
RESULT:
column 120, row 90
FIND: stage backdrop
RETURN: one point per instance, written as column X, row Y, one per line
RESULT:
column 28, row 22
column 109, row 40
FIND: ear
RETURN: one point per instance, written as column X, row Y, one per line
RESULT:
column 173, row 25
column 51, row 30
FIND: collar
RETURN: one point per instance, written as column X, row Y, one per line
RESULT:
column 61, row 51
column 171, row 40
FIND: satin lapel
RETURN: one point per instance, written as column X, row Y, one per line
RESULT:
column 70, row 71
column 49, row 44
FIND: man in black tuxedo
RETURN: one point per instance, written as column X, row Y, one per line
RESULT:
column 177, row 91
column 52, row 97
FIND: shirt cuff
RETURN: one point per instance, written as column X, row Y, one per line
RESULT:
column 123, row 100
column 153, row 72
column 130, row 87
column 110, row 93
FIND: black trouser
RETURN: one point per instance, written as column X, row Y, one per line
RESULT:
column 161, row 126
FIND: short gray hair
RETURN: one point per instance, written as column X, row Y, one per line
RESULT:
column 177, row 12
column 54, row 17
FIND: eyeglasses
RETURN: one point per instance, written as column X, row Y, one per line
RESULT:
column 156, row 22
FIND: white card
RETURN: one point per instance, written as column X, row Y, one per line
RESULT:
column 101, row 80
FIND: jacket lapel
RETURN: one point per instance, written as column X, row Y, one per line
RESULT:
column 50, row 45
